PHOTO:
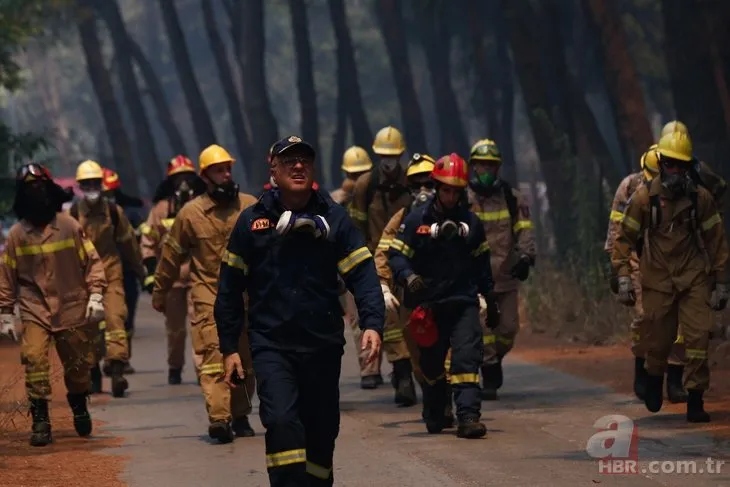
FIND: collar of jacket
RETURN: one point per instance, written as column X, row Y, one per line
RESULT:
column 269, row 203
column 432, row 215
column 30, row 228
column 656, row 188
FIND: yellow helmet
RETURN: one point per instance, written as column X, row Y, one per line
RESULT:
column 389, row 142
column 674, row 126
column 356, row 159
column 675, row 145
column 89, row 170
column 420, row 164
column 485, row 150
column 213, row 154
column 650, row 163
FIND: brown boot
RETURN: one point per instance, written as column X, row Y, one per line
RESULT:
column 41, row 429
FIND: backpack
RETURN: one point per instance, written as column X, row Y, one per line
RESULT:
column 112, row 212
column 511, row 200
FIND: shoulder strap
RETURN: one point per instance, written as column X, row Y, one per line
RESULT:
column 114, row 214
column 511, row 200
column 372, row 188
column 693, row 214
column 656, row 210
column 74, row 211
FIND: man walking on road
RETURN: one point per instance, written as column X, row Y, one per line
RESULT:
column 286, row 252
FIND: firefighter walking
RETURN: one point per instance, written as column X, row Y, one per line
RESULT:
column 199, row 235
column 505, row 215
column 52, row 271
column 678, row 226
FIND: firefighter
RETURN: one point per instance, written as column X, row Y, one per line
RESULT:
column 199, row 235
column 678, row 226
column 180, row 186
column 287, row 251
column 441, row 258
column 402, row 352
column 355, row 163
column 111, row 233
column 505, row 215
column 378, row 195
column 52, row 271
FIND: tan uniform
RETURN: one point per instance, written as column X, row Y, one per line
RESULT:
column 509, row 238
column 716, row 185
column 50, row 273
column 113, row 246
column 179, row 305
column 371, row 221
column 674, row 269
column 200, row 235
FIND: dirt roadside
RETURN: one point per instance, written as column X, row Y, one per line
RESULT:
column 69, row 460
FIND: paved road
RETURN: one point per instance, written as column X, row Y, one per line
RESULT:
column 538, row 434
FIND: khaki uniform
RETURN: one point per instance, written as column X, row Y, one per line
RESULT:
column 508, row 238
column 178, row 306
column 371, row 221
column 112, row 248
column 200, row 235
column 50, row 273
column 675, row 264
column 716, row 185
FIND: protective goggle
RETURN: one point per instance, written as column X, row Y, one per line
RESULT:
column 32, row 171
column 486, row 150
column 429, row 184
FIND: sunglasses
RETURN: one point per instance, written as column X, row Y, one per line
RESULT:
column 291, row 161
column 416, row 185
column 33, row 171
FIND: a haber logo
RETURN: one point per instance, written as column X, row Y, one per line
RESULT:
column 616, row 445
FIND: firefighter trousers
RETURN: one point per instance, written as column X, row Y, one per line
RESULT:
column 499, row 341
column 221, row 402
column 131, row 298
column 115, row 311
column 665, row 313
column 73, row 347
column 458, row 326
column 178, row 307
column 300, row 409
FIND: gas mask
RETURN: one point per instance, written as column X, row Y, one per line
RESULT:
column 92, row 197
column 677, row 182
column 225, row 192
column 390, row 165
column 449, row 229
column 315, row 225
column 421, row 193
column 483, row 183
column 34, row 203
column 183, row 193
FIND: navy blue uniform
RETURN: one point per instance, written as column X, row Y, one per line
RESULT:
column 454, row 271
column 295, row 327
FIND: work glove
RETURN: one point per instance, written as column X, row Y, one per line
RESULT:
column 493, row 312
column 95, row 308
column 391, row 303
column 719, row 297
column 521, row 270
column 7, row 326
column 415, row 283
column 626, row 293
column 148, row 283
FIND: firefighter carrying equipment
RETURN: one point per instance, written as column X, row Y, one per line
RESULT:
column 389, row 142
column 212, row 155
column 89, row 170
column 423, row 327
column 451, row 170
column 292, row 222
column 180, row 164
column 356, row 159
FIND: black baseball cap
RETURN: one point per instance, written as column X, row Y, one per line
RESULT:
column 288, row 143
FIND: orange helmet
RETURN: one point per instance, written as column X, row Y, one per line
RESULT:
column 179, row 164
column 110, row 180
column 451, row 170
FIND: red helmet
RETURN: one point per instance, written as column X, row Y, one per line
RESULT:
column 451, row 170
column 179, row 164
column 110, row 181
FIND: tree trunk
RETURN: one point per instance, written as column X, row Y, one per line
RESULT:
column 144, row 142
column 104, row 91
column 264, row 130
column 392, row 27
column 622, row 78
column 157, row 94
column 436, row 39
column 305, row 73
column 198, row 110
column 346, row 63
column 506, row 133
column 338, row 141
column 476, row 14
column 225, row 74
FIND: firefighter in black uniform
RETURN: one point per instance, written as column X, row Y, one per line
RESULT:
column 441, row 258
column 287, row 252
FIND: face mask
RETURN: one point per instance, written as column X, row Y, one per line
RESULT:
column 421, row 197
column 389, row 165
column 225, row 193
column 92, row 197
column 676, row 182
column 182, row 195
column 36, row 206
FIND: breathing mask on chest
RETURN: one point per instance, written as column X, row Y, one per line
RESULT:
column 449, row 229
column 306, row 223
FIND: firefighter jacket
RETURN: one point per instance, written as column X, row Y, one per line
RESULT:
column 508, row 229
column 374, row 204
column 154, row 232
column 292, row 280
column 454, row 270
column 113, row 242
column 624, row 191
column 680, row 242
column 50, row 273
column 381, row 252
column 199, row 235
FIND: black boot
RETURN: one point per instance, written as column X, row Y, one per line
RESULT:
column 95, row 373
column 128, row 369
column 434, row 406
column 119, row 383
column 82, row 418
column 405, row 389
column 107, row 369
column 242, row 428
column 491, row 381
column 639, row 378
column 369, row 382
column 449, row 419
column 174, row 377
column 675, row 390
column 696, row 407
column 471, row 428
column 41, row 430
column 221, row 431
column 654, row 394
